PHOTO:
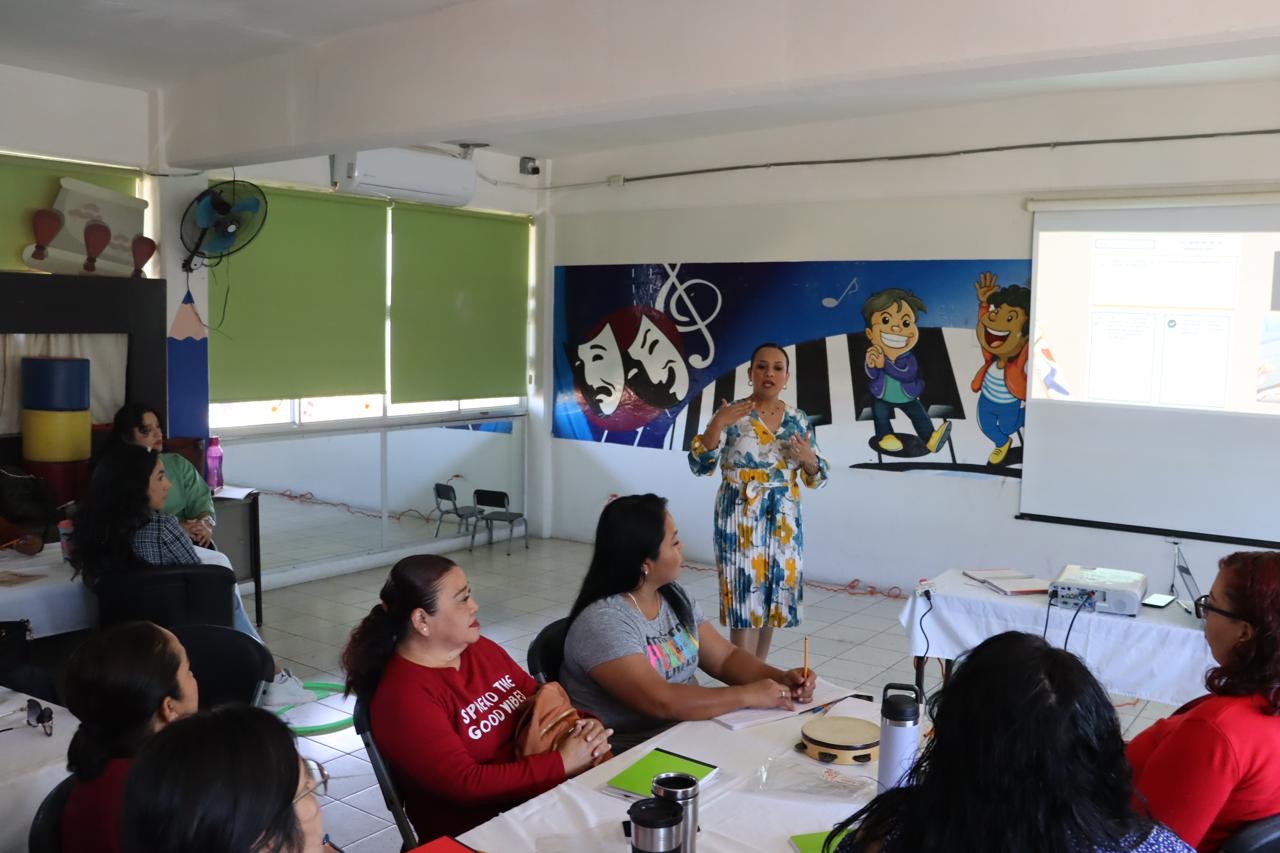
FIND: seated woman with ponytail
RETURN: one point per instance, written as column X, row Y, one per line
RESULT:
column 123, row 685
column 445, row 702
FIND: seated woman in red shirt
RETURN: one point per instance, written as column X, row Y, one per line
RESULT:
column 123, row 686
column 444, row 703
column 1212, row 767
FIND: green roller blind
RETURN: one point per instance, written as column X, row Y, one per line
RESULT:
column 306, row 307
column 459, row 304
column 28, row 184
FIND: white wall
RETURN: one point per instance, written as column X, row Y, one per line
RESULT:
column 54, row 116
column 891, row 528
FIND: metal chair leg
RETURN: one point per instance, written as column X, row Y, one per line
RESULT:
column 525, row 522
column 472, row 546
column 511, row 534
column 439, row 521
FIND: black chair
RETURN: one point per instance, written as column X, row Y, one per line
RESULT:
column 390, row 796
column 167, row 595
column 546, row 652
column 229, row 666
column 496, row 506
column 1261, row 836
column 46, row 827
column 445, row 494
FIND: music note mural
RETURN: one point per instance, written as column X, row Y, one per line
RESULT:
column 645, row 352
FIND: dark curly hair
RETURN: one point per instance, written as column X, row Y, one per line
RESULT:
column 1253, row 592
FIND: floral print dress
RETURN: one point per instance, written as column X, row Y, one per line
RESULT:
column 759, row 540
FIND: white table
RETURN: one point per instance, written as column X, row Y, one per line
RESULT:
column 1160, row 654
column 58, row 603
column 32, row 765
column 734, row 814
column 54, row 604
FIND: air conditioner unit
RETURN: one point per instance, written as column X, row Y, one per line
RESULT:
column 405, row 174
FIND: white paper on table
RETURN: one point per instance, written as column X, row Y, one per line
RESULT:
column 824, row 693
column 857, row 708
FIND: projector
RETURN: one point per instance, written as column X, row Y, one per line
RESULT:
column 1101, row 590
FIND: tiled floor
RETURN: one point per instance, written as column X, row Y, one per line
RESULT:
column 854, row 640
column 296, row 532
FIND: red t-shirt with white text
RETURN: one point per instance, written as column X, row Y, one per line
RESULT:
column 449, row 738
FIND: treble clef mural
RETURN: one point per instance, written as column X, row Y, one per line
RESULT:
column 676, row 299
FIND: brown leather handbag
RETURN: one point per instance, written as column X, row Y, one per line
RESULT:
column 548, row 719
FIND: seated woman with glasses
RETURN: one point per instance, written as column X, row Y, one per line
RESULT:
column 1026, row 755
column 122, row 525
column 228, row 780
column 1214, row 765
column 445, row 703
column 123, row 686
column 636, row 639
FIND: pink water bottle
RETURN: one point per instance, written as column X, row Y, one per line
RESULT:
column 213, row 464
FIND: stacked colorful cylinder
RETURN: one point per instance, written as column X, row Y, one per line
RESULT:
column 56, row 427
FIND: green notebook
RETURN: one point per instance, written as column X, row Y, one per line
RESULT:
column 811, row 842
column 637, row 780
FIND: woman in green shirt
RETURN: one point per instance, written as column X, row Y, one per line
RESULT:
column 189, row 497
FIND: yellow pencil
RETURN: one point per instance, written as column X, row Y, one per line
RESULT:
column 806, row 658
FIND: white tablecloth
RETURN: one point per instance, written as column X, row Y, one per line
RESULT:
column 32, row 764
column 735, row 814
column 57, row 603
column 54, row 604
column 1160, row 654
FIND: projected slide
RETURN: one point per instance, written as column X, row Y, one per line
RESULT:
column 1168, row 319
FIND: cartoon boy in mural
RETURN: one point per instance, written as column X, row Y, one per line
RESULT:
column 1004, row 320
column 890, row 317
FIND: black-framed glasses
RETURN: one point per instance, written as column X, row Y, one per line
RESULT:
column 1203, row 606
column 37, row 716
column 319, row 779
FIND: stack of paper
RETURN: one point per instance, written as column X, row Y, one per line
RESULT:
column 1009, row 581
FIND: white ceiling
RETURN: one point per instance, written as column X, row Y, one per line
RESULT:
column 150, row 43
column 876, row 98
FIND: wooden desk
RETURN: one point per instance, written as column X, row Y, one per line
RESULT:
column 238, row 534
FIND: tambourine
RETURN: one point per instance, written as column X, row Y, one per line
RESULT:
column 840, row 740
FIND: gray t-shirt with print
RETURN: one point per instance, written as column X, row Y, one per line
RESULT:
column 613, row 628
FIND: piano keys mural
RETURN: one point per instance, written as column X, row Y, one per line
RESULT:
column 646, row 352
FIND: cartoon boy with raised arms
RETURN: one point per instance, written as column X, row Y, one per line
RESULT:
column 890, row 317
column 1004, row 319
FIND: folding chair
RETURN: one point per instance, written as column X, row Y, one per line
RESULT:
column 496, row 506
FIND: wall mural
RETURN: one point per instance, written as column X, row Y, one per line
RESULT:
column 901, row 364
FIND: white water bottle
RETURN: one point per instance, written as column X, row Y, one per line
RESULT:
column 899, row 734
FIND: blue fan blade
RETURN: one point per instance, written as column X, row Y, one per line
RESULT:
column 246, row 205
column 205, row 214
column 218, row 242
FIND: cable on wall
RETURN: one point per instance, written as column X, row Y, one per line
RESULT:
column 621, row 180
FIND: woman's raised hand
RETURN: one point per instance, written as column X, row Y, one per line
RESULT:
column 803, row 452
column 729, row 413
column 584, row 746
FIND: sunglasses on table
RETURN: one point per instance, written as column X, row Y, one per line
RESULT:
column 37, row 715
column 1203, row 606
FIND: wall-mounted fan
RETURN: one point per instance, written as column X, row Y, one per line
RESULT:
column 222, row 220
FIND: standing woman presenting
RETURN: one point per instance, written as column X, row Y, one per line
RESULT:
column 768, row 448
